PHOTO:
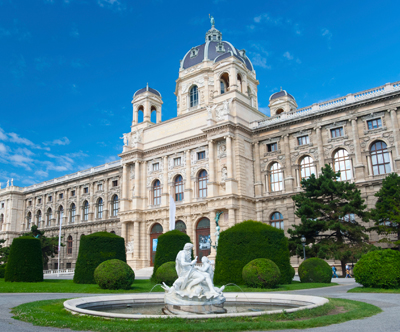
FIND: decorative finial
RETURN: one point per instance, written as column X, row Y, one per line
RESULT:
column 147, row 86
column 281, row 88
column 212, row 20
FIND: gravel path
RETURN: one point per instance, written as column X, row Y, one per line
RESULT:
column 388, row 320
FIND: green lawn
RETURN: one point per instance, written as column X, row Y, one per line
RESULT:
column 139, row 286
column 373, row 290
column 52, row 313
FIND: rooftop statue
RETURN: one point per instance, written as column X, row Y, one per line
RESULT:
column 212, row 21
column 193, row 291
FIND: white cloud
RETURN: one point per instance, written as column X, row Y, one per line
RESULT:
column 260, row 61
column 112, row 4
column 267, row 18
column 59, row 141
column 41, row 173
column 326, row 33
column 288, row 56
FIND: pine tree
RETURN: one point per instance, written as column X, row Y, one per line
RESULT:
column 386, row 213
column 327, row 208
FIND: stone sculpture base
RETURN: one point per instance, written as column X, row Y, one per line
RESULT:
column 172, row 309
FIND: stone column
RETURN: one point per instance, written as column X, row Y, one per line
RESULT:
column 232, row 219
column 165, row 185
column 231, row 183
column 395, row 125
column 320, row 149
column 147, row 111
column 123, row 231
column 158, row 115
column 359, row 168
column 289, row 179
column 188, row 183
column 78, row 208
column 212, row 234
column 257, row 170
column 206, row 91
column 125, row 186
column 137, row 179
column 211, row 185
column 233, row 79
column 136, row 240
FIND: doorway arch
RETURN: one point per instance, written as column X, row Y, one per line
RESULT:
column 155, row 232
column 203, row 238
column 180, row 226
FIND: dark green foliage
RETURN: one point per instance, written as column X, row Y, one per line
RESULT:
column 168, row 246
column 95, row 249
column 49, row 244
column 387, row 209
column 246, row 241
column 166, row 273
column 325, row 206
column 379, row 269
column 315, row 270
column 25, row 262
column 2, row 270
column 4, row 252
column 292, row 272
column 114, row 274
column 261, row 273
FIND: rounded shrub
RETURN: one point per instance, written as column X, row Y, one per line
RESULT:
column 166, row 273
column 94, row 249
column 168, row 246
column 114, row 274
column 292, row 272
column 25, row 262
column 246, row 241
column 2, row 270
column 261, row 273
column 315, row 270
column 379, row 269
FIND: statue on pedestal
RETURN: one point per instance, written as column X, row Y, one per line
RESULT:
column 193, row 291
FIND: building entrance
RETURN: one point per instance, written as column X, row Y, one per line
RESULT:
column 155, row 232
column 203, row 238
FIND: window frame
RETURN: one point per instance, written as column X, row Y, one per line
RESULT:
column 202, row 184
column 274, row 221
column 371, row 122
column 115, row 183
column 115, row 206
column 387, row 165
column 272, row 147
column 306, row 166
column 156, row 167
column 275, row 177
column 201, row 154
column 100, row 208
column 303, row 140
column 156, row 190
column 72, row 213
column 343, row 160
column 178, row 161
column 178, row 188
column 85, row 211
column 334, row 132
column 70, row 242
column 194, row 96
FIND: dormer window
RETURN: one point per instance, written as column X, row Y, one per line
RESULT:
column 209, row 37
column 193, row 52
column 220, row 47
column 214, row 37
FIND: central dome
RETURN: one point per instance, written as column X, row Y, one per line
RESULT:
column 214, row 49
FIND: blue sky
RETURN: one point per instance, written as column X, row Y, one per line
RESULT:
column 69, row 68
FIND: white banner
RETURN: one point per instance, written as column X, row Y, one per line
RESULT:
column 172, row 212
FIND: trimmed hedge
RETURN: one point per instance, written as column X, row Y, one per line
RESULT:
column 315, row 270
column 168, row 246
column 261, row 273
column 2, row 270
column 166, row 273
column 25, row 262
column 246, row 241
column 114, row 274
column 379, row 269
column 292, row 272
column 94, row 249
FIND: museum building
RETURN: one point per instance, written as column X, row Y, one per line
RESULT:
column 219, row 154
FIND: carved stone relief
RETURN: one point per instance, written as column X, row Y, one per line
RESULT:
column 221, row 149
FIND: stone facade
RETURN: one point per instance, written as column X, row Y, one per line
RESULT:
column 220, row 154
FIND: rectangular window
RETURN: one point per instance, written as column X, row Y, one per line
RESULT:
column 337, row 132
column 61, row 195
column 374, row 124
column 302, row 140
column 201, row 155
column 50, row 198
column 2, row 205
column 55, row 266
column 39, row 200
column 68, row 265
column 100, row 186
column 156, row 166
column 30, row 203
column 115, row 183
column 272, row 147
column 85, row 190
column 177, row 161
column 73, row 193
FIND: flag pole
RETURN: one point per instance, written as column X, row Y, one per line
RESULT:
column 59, row 248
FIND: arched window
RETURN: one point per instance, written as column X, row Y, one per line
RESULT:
column 49, row 216
column 380, row 158
column 276, row 177
column 115, row 206
column 86, row 211
column 350, row 217
column 276, row 220
column 194, row 96
column 178, row 188
column 72, row 212
column 140, row 114
column 69, row 245
column 180, row 226
column 306, row 167
column 29, row 220
column 224, row 83
column 279, row 111
column 157, row 192
column 203, row 177
column 39, row 218
column 100, row 208
column 1, row 221
column 239, row 83
column 153, row 114
column 342, row 164
column 60, row 214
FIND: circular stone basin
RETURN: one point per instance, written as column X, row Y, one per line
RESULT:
column 137, row 306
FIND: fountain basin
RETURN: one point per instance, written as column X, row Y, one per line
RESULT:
column 93, row 305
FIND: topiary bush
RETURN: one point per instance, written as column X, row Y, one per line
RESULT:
column 2, row 270
column 315, row 270
column 168, row 246
column 292, row 272
column 379, row 269
column 166, row 273
column 25, row 262
column 246, row 241
column 94, row 249
column 114, row 274
column 261, row 273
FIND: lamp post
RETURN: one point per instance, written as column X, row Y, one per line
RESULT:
column 303, row 242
